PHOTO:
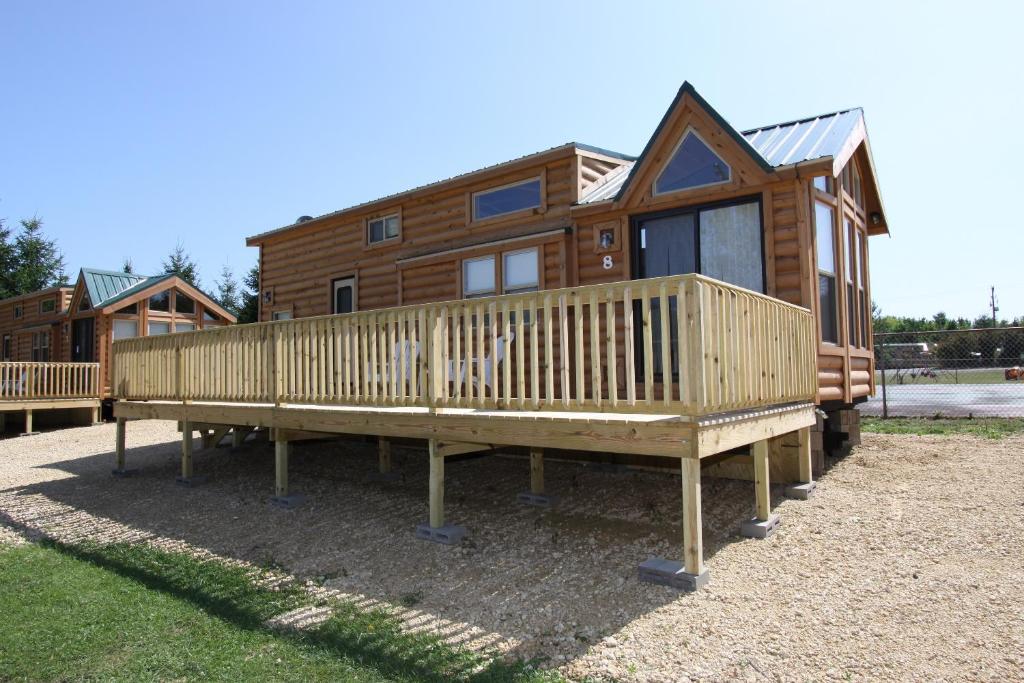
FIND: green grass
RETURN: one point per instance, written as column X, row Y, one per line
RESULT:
column 994, row 428
column 131, row 612
column 967, row 376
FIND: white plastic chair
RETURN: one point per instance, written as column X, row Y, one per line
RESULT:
column 489, row 365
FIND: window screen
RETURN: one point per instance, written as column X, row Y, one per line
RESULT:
column 730, row 245
column 824, row 226
column 126, row 329
column 478, row 276
column 159, row 328
column 520, row 272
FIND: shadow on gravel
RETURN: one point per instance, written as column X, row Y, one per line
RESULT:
column 544, row 582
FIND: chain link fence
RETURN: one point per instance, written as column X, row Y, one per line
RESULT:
column 950, row 373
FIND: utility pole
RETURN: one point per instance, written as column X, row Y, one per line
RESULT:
column 995, row 309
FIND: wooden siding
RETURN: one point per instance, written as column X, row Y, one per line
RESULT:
column 32, row 321
column 423, row 265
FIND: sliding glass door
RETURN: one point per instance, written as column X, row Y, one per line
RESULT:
column 723, row 241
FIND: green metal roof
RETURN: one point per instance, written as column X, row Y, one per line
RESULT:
column 105, row 287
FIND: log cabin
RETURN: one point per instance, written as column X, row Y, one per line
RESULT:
column 695, row 304
column 784, row 209
column 72, row 328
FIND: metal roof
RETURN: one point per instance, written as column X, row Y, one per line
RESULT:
column 779, row 144
column 137, row 287
column 817, row 137
column 102, row 285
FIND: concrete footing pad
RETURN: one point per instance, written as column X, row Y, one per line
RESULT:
column 670, row 573
column 289, row 502
column 449, row 534
column 385, row 477
column 541, row 500
column 190, row 482
column 123, row 473
column 801, row 491
column 756, row 528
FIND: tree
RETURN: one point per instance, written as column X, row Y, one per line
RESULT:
column 227, row 291
column 249, row 310
column 128, row 267
column 8, row 263
column 181, row 264
column 38, row 262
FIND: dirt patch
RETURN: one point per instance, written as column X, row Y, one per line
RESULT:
column 906, row 565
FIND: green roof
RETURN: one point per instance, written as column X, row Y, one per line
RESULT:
column 105, row 287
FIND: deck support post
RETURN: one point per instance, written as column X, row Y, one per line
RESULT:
column 282, row 498
column 28, row 424
column 690, row 574
column 96, row 416
column 436, row 530
column 536, row 495
column 805, row 489
column 120, row 469
column 238, row 437
column 384, row 473
column 764, row 523
column 187, row 478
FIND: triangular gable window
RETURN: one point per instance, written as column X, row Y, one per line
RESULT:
column 84, row 304
column 693, row 164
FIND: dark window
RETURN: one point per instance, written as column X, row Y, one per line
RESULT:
column 344, row 295
column 824, row 222
column 17, row 312
column 693, row 164
column 210, row 315
column 383, row 228
column 183, row 304
column 47, row 306
column 160, row 302
column 7, row 347
column 508, row 199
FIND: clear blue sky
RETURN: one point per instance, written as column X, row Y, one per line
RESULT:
column 131, row 126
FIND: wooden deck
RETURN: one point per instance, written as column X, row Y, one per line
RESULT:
column 34, row 386
column 577, row 369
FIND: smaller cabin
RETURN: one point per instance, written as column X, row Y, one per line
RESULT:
column 107, row 305
column 30, row 325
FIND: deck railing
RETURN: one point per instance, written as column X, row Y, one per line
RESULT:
column 42, row 381
column 591, row 348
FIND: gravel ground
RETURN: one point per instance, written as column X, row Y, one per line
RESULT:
column 907, row 565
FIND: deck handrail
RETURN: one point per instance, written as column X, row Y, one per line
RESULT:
column 728, row 349
column 20, row 381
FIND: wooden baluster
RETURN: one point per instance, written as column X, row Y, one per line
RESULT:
column 466, row 370
column 520, row 355
column 506, row 365
column 579, row 356
column 493, row 311
column 549, row 362
column 595, row 349
column 563, row 339
column 648, row 339
column 456, row 361
column 629, row 339
column 665, row 313
column 534, row 354
column 481, row 357
column 611, row 329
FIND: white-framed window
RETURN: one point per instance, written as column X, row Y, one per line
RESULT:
column 126, row 329
column 519, row 196
column 383, row 228
column 478, row 277
column 47, row 305
column 156, row 328
column 520, row 271
column 281, row 315
column 693, row 164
